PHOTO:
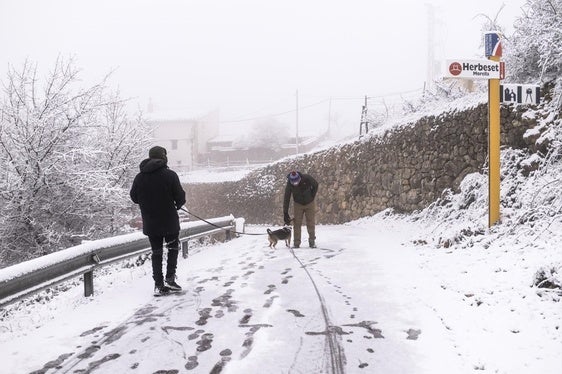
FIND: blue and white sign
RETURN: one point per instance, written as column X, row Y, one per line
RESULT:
column 492, row 44
column 520, row 93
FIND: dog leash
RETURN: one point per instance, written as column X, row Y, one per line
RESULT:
column 218, row 227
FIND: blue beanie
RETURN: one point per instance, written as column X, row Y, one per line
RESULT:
column 294, row 178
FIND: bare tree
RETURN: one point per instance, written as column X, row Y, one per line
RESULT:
column 267, row 133
column 65, row 156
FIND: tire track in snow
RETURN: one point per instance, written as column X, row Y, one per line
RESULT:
column 337, row 354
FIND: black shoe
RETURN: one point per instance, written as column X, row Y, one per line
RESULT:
column 296, row 246
column 161, row 290
column 172, row 285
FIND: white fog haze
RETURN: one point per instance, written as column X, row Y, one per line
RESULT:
column 432, row 237
column 249, row 58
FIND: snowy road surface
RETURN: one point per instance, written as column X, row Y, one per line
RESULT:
column 366, row 301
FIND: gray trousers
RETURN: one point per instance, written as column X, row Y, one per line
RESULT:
column 307, row 211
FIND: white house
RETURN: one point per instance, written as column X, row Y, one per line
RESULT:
column 184, row 135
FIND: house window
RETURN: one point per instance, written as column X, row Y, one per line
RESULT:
column 174, row 144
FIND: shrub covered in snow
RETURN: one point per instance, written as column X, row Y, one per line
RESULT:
column 534, row 52
column 67, row 155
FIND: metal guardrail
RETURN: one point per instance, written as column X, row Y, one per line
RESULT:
column 29, row 277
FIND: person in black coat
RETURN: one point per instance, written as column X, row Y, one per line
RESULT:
column 303, row 188
column 158, row 192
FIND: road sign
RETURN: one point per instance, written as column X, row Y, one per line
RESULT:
column 473, row 69
column 520, row 93
column 492, row 44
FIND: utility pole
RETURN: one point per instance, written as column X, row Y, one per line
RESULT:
column 297, row 124
column 330, row 117
column 430, row 46
column 364, row 120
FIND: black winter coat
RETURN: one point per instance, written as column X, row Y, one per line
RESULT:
column 303, row 194
column 159, row 194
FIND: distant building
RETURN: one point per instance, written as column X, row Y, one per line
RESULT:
column 185, row 136
column 224, row 151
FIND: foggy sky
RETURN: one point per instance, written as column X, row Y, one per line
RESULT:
column 248, row 57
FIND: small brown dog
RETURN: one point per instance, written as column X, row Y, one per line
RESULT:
column 281, row 234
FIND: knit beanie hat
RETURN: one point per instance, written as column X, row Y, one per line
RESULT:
column 158, row 152
column 294, row 178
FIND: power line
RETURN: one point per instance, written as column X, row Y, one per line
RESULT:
column 369, row 97
column 276, row 114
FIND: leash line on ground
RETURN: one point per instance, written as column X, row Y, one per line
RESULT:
column 222, row 228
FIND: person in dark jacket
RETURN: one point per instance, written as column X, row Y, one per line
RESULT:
column 303, row 188
column 158, row 192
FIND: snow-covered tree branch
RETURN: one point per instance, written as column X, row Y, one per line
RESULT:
column 534, row 53
column 66, row 155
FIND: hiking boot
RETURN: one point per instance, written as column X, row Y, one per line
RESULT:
column 172, row 285
column 311, row 244
column 296, row 246
column 161, row 290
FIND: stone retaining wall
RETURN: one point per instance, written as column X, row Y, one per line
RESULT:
column 405, row 168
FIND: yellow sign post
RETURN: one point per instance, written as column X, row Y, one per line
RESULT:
column 492, row 70
column 493, row 51
column 494, row 149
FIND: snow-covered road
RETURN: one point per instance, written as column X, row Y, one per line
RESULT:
column 368, row 300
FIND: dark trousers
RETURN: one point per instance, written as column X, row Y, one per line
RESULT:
column 157, row 244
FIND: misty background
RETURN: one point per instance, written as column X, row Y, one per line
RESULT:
column 70, row 145
column 252, row 60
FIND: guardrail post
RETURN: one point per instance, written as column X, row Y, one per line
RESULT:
column 184, row 249
column 89, row 283
column 89, row 276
